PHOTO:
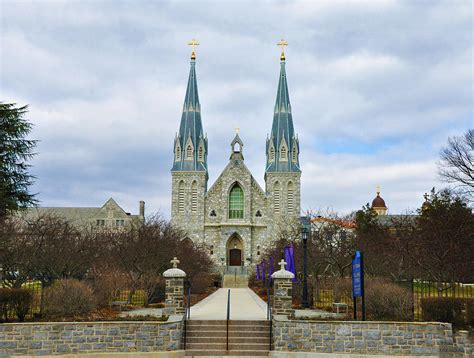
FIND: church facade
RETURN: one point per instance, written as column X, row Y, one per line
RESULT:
column 235, row 218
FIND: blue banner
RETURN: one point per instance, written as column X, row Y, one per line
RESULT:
column 357, row 275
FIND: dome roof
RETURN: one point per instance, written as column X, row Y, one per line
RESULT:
column 378, row 202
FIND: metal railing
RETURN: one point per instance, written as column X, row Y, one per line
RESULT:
column 235, row 270
column 186, row 317
column 228, row 318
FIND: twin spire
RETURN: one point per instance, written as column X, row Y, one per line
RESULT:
column 190, row 145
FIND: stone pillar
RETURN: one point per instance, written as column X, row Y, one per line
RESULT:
column 282, row 291
column 174, row 303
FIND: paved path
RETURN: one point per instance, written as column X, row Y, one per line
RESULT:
column 244, row 305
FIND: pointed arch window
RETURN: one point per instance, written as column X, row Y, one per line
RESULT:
column 189, row 152
column 276, row 197
column 181, row 197
column 294, row 154
column 194, row 196
column 283, row 153
column 178, row 152
column 271, row 154
column 291, row 197
column 236, row 202
column 201, row 153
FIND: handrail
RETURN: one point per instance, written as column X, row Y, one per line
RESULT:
column 271, row 327
column 186, row 317
column 184, row 328
column 228, row 318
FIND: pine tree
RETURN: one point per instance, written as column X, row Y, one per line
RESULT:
column 15, row 152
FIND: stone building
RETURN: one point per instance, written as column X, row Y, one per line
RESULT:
column 235, row 218
column 109, row 216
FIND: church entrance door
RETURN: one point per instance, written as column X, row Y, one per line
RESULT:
column 235, row 258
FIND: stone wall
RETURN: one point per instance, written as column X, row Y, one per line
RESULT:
column 88, row 337
column 387, row 338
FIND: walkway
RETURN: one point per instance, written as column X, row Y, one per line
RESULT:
column 244, row 305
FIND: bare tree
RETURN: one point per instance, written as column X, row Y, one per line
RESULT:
column 457, row 162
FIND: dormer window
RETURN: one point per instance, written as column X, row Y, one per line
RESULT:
column 283, row 153
column 271, row 155
column 294, row 154
column 178, row 152
column 201, row 153
column 189, row 152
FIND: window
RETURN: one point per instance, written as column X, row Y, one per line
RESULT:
column 258, row 214
column 213, row 213
column 181, row 197
column 236, row 202
column 178, row 152
column 100, row 222
column 119, row 222
column 189, row 152
column 283, row 153
column 194, row 197
column 272, row 154
column 201, row 153
column 291, row 198
column 294, row 154
column 276, row 198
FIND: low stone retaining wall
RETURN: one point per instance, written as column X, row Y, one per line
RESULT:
column 88, row 337
column 368, row 338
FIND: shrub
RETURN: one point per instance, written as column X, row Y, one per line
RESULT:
column 68, row 298
column 386, row 300
column 458, row 311
column 17, row 300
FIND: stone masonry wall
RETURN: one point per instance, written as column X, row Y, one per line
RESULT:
column 388, row 338
column 88, row 337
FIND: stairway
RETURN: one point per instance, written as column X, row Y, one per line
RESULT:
column 235, row 281
column 246, row 338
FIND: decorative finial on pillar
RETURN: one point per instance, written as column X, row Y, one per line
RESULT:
column 193, row 43
column 282, row 43
column 174, row 262
column 282, row 264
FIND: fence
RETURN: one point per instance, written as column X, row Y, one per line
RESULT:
column 328, row 290
column 134, row 298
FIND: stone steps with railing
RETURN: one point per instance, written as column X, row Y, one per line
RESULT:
column 245, row 338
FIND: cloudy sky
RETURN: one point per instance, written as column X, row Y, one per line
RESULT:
column 376, row 88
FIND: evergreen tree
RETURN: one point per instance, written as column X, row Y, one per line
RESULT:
column 15, row 151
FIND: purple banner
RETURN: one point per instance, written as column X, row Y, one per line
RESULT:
column 263, row 270
column 258, row 271
column 290, row 260
column 271, row 267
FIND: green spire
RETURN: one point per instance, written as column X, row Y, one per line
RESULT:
column 190, row 145
column 283, row 145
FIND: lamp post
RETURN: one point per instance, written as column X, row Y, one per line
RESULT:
column 305, row 233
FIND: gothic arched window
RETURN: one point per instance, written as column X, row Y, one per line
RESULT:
column 189, row 152
column 181, row 197
column 291, row 198
column 276, row 197
column 294, row 154
column 283, row 153
column 236, row 202
column 201, row 153
column 178, row 152
column 194, row 196
column 272, row 154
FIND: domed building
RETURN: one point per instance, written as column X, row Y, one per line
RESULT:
column 378, row 204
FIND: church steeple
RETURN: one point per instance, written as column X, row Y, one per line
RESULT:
column 282, row 146
column 190, row 144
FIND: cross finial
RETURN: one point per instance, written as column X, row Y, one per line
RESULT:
column 378, row 189
column 237, row 130
column 193, row 43
column 175, row 262
column 282, row 264
column 282, row 43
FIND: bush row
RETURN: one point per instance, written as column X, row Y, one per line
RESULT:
column 15, row 301
column 458, row 311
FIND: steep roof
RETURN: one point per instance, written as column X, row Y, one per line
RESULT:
column 190, row 129
column 282, row 129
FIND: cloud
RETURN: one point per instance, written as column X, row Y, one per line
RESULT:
column 376, row 88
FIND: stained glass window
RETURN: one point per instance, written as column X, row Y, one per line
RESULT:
column 236, row 203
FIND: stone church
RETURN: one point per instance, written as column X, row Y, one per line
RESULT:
column 235, row 218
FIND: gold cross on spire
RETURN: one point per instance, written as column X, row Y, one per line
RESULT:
column 378, row 189
column 193, row 43
column 282, row 43
column 237, row 130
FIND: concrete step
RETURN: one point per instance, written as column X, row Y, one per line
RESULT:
column 235, row 281
column 253, row 340
column 231, row 322
column 223, row 333
column 219, row 353
column 232, row 346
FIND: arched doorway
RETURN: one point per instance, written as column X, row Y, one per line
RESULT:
column 235, row 251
